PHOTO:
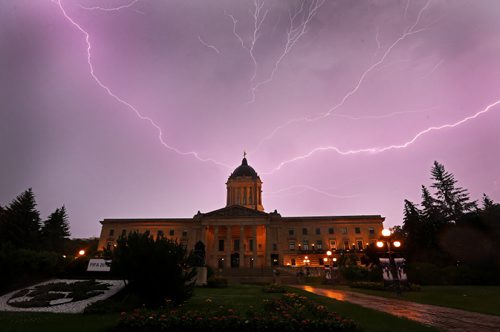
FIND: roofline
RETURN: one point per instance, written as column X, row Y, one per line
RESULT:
column 351, row 217
column 121, row 220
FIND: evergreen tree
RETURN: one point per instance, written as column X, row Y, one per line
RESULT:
column 454, row 201
column 20, row 222
column 55, row 230
column 488, row 204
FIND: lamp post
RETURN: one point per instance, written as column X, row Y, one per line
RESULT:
column 386, row 241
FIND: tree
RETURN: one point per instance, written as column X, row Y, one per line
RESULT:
column 20, row 222
column 156, row 270
column 454, row 201
column 55, row 230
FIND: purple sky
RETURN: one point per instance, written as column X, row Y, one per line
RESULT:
column 358, row 79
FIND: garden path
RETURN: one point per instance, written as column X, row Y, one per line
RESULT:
column 446, row 319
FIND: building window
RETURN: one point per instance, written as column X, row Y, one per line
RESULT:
column 333, row 244
column 236, row 245
column 291, row 245
column 344, row 230
column 304, row 231
column 293, row 262
column 184, row 233
column 319, row 244
column 346, row 245
column 111, row 232
column 371, row 230
column 124, row 232
column 305, row 244
column 318, row 231
column 357, row 230
column 275, row 247
column 330, row 230
column 159, row 234
column 221, row 245
column 171, row 232
column 291, row 232
column 250, row 244
column 359, row 244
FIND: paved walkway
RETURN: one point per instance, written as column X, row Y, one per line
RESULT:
column 446, row 319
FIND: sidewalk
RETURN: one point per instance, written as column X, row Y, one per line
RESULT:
column 446, row 319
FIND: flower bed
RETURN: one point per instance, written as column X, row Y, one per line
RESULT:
column 289, row 313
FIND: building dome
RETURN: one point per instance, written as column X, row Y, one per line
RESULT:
column 244, row 170
column 244, row 187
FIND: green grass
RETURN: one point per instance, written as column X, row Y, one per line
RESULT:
column 239, row 297
column 483, row 299
column 31, row 321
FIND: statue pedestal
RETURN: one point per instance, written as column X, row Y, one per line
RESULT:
column 201, row 276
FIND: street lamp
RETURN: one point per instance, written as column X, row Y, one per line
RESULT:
column 386, row 241
column 81, row 253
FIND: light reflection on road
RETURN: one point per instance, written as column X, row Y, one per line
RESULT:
column 447, row 319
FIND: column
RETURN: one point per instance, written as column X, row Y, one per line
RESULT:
column 242, row 246
column 254, row 252
column 269, row 240
column 228, row 246
column 216, row 242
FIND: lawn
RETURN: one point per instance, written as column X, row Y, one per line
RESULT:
column 238, row 297
column 483, row 299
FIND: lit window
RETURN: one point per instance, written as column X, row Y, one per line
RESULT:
column 319, row 244
column 305, row 244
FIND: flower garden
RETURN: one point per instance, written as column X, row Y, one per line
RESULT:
column 290, row 312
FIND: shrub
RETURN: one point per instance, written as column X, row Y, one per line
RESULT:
column 381, row 286
column 155, row 269
column 273, row 288
column 217, row 282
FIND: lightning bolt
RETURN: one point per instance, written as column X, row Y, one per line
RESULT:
column 410, row 31
column 310, row 188
column 209, row 46
column 112, row 9
column 374, row 150
column 295, row 32
column 125, row 103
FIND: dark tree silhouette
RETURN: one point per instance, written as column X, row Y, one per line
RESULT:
column 20, row 222
column 55, row 230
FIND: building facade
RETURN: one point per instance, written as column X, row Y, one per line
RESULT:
column 242, row 234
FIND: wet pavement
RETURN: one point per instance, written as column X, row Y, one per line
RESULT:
column 446, row 319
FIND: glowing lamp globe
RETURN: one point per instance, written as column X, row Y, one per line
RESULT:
column 386, row 232
column 81, row 252
column 380, row 244
column 397, row 244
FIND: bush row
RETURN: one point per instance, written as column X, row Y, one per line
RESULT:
column 289, row 313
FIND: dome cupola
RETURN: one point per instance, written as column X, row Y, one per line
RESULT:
column 244, row 187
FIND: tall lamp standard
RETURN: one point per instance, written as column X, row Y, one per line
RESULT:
column 386, row 241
